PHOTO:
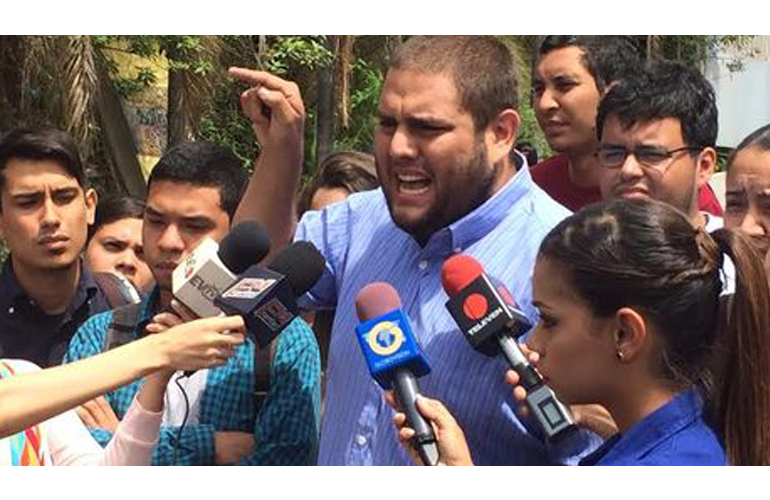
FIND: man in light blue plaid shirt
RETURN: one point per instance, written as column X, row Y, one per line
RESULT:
column 210, row 417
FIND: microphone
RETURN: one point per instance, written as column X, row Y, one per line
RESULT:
column 267, row 298
column 394, row 357
column 490, row 320
column 212, row 267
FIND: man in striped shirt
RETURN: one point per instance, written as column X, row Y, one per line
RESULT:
column 447, row 123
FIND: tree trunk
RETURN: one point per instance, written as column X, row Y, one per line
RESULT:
column 11, row 64
column 120, row 139
column 392, row 42
column 178, row 118
column 325, row 106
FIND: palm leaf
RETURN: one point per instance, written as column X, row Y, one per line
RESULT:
column 80, row 85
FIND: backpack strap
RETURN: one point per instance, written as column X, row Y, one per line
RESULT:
column 117, row 290
column 263, row 367
column 121, row 329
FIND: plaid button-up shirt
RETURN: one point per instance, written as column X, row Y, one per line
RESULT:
column 285, row 430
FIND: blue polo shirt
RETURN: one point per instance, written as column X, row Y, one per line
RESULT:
column 26, row 332
column 675, row 434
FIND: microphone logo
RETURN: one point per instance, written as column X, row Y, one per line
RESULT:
column 189, row 266
column 475, row 306
column 249, row 288
column 385, row 338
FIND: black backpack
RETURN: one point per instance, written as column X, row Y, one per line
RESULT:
column 121, row 331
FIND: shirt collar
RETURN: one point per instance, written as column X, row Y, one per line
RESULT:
column 463, row 233
column 13, row 294
column 87, row 283
column 678, row 413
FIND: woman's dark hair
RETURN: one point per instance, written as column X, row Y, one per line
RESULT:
column 117, row 208
column 647, row 255
column 759, row 139
column 349, row 170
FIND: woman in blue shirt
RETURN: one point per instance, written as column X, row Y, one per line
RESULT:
column 632, row 318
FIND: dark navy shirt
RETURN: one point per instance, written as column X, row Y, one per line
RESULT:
column 675, row 434
column 26, row 332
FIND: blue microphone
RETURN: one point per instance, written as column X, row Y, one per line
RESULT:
column 394, row 357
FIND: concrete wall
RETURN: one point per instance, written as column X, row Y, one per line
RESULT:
column 743, row 97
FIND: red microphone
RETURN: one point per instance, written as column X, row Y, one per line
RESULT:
column 488, row 317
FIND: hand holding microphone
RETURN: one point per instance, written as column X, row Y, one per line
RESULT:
column 452, row 446
column 488, row 317
column 203, row 343
column 211, row 267
column 394, row 358
column 595, row 418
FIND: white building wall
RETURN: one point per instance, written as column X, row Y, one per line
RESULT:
column 743, row 97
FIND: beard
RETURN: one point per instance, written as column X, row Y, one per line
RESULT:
column 477, row 186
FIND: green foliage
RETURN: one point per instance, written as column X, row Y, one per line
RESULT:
column 308, row 52
column 366, row 86
column 292, row 57
column 183, row 53
column 224, row 123
column 530, row 132
column 218, row 115
column 696, row 49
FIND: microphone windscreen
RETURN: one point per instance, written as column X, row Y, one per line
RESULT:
column 302, row 264
column 245, row 245
column 376, row 299
column 458, row 272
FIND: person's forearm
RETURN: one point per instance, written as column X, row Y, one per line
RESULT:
column 270, row 196
column 31, row 398
column 154, row 389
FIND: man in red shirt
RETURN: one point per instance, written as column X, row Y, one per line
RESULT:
column 572, row 75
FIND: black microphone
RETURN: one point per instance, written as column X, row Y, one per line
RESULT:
column 212, row 267
column 394, row 358
column 267, row 298
column 488, row 317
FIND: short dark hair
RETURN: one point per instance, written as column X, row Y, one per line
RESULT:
column 759, row 139
column 481, row 66
column 352, row 171
column 113, row 209
column 664, row 89
column 606, row 58
column 44, row 143
column 204, row 164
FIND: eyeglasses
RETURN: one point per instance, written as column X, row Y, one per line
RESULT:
column 649, row 156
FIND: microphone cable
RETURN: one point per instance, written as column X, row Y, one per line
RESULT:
column 178, row 443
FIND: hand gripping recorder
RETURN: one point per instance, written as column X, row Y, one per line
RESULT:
column 488, row 317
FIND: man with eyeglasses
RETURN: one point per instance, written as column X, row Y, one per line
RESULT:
column 657, row 131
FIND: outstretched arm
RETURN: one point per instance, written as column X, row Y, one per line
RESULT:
column 34, row 397
column 277, row 114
